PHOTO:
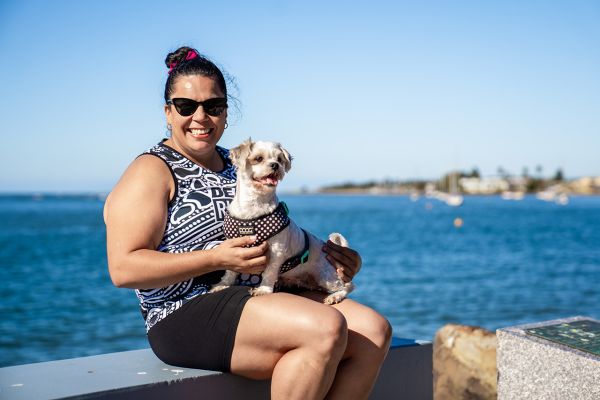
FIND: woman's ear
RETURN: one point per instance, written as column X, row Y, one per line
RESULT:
column 169, row 115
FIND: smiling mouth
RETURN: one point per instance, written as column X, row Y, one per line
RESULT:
column 269, row 180
column 200, row 132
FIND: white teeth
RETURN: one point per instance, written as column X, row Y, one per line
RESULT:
column 200, row 131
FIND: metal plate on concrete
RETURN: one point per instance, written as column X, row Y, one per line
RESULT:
column 582, row 335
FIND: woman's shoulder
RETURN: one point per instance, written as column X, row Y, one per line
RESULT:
column 147, row 174
column 148, row 165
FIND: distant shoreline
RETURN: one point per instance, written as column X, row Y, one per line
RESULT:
column 368, row 193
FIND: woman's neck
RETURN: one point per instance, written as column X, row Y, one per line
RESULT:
column 210, row 160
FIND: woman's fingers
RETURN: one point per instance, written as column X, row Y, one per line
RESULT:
column 252, row 253
column 346, row 261
column 345, row 255
column 241, row 241
column 241, row 258
column 340, row 253
column 248, row 252
column 340, row 269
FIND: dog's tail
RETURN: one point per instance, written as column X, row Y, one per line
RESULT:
column 338, row 239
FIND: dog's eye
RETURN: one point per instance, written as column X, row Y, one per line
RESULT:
column 258, row 159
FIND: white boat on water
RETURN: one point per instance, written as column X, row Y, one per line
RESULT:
column 546, row 195
column 556, row 197
column 562, row 199
column 454, row 200
column 510, row 195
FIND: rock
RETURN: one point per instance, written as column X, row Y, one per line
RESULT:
column 464, row 363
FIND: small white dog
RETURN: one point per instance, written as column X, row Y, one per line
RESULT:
column 295, row 256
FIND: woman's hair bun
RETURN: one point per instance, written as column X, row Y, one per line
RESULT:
column 178, row 56
column 186, row 61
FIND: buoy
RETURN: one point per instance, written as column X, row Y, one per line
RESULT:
column 458, row 222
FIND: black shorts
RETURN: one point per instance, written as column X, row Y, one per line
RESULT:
column 201, row 333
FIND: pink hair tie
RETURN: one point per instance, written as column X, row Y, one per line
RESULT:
column 189, row 56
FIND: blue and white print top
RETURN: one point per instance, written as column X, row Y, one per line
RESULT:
column 194, row 222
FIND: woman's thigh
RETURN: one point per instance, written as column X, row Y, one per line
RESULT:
column 274, row 324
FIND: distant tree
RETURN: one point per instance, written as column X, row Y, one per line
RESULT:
column 559, row 175
column 538, row 170
column 535, row 185
column 525, row 173
column 474, row 173
column 502, row 172
column 420, row 185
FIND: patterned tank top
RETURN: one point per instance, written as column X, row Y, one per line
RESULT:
column 194, row 222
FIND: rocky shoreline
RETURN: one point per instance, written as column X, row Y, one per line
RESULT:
column 467, row 185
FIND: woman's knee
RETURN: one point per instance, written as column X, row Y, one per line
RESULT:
column 382, row 332
column 376, row 328
column 329, row 331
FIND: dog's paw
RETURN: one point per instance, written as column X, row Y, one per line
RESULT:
column 335, row 298
column 217, row 288
column 261, row 291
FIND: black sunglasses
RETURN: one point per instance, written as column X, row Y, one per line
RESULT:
column 186, row 107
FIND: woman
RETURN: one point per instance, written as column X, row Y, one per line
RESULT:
column 165, row 239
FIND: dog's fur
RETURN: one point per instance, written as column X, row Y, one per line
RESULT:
column 260, row 167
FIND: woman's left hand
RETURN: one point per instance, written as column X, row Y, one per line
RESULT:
column 346, row 261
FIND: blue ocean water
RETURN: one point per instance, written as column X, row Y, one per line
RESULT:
column 510, row 263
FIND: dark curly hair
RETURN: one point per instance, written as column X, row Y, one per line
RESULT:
column 188, row 61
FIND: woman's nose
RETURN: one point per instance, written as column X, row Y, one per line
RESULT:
column 199, row 115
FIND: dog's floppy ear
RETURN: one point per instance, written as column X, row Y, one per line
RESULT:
column 239, row 154
column 287, row 157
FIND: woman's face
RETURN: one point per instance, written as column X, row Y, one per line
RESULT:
column 197, row 134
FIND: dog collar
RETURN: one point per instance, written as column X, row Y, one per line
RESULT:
column 265, row 227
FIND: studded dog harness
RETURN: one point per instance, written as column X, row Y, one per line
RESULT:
column 265, row 227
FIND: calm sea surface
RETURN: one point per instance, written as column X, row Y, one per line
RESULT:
column 510, row 263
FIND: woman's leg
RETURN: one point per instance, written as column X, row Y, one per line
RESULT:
column 369, row 336
column 296, row 342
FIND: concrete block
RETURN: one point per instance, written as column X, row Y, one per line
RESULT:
column 534, row 368
column 406, row 374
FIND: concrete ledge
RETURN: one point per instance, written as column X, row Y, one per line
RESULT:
column 405, row 374
column 534, row 368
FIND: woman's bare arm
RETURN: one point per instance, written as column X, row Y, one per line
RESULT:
column 135, row 214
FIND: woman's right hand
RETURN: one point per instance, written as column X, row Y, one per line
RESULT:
column 232, row 255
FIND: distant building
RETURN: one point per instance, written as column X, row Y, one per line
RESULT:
column 586, row 185
column 484, row 185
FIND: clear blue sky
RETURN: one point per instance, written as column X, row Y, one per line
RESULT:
column 355, row 91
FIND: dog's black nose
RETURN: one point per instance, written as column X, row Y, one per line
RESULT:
column 274, row 166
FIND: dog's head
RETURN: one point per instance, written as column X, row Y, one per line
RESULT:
column 262, row 164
